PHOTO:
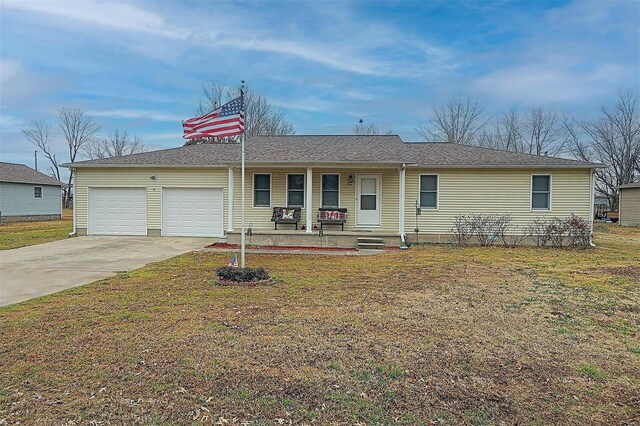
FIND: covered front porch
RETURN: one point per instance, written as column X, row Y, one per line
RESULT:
column 371, row 196
column 316, row 238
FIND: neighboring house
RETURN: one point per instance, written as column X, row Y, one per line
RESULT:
column 195, row 190
column 629, row 204
column 26, row 194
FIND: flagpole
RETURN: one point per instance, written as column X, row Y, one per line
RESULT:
column 244, row 132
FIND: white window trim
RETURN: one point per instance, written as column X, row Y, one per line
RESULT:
column 304, row 189
column 253, row 191
column 41, row 192
column 550, row 193
column 322, row 189
column 437, row 207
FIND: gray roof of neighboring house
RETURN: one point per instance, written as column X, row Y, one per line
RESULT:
column 323, row 149
column 630, row 185
column 19, row 173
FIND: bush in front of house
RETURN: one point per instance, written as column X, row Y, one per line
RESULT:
column 486, row 229
column 238, row 276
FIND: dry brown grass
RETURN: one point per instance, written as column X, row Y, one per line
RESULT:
column 21, row 234
column 434, row 335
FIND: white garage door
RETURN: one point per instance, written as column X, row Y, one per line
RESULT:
column 117, row 211
column 192, row 212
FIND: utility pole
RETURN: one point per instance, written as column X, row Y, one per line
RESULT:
column 35, row 158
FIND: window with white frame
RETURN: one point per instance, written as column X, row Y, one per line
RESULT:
column 429, row 191
column 540, row 192
column 295, row 190
column 331, row 190
column 37, row 192
column 262, row 190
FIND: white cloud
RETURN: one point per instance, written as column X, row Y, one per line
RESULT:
column 117, row 15
column 9, row 123
column 308, row 104
column 351, row 52
column 136, row 114
column 540, row 84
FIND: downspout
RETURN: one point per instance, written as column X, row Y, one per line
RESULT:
column 592, row 197
column 401, row 207
column 73, row 213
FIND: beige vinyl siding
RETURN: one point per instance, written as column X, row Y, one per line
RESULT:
column 141, row 177
column 466, row 191
column 260, row 217
column 629, row 206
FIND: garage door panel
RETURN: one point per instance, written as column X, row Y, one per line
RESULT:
column 193, row 212
column 117, row 211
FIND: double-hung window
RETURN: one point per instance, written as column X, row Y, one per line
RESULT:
column 37, row 192
column 262, row 190
column 429, row 191
column 541, row 192
column 295, row 190
column 330, row 190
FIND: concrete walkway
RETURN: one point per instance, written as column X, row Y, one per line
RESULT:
column 34, row 271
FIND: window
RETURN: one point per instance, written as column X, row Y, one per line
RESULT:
column 429, row 191
column 295, row 190
column 261, row 190
column 541, row 192
column 330, row 190
column 37, row 192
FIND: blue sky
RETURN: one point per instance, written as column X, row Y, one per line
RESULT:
column 140, row 65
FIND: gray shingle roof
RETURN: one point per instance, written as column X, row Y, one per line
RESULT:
column 630, row 185
column 323, row 149
column 19, row 173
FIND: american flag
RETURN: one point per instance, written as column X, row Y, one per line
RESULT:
column 226, row 120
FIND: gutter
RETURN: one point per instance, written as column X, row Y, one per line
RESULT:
column 73, row 213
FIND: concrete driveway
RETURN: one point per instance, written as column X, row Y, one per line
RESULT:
column 48, row 268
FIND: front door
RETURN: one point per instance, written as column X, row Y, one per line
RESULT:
column 368, row 200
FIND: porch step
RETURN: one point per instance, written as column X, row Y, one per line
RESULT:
column 370, row 244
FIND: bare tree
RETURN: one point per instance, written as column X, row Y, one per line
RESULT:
column 457, row 121
column 78, row 130
column 116, row 144
column 37, row 132
column 614, row 140
column 369, row 129
column 261, row 118
column 541, row 132
column 508, row 132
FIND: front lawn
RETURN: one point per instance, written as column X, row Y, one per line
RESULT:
column 21, row 234
column 433, row 335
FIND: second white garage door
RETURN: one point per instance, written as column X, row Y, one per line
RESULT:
column 192, row 212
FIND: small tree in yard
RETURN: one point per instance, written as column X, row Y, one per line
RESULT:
column 613, row 140
column 78, row 130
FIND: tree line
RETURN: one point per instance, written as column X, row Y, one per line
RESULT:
column 612, row 138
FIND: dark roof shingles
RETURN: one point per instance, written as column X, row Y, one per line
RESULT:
column 19, row 173
column 310, row 149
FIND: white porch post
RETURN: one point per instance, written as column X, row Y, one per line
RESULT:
column 230, row 209
column 309, row 202
column 401, row 200
column 73, row 188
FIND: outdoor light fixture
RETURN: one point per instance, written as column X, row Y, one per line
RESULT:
column 350, row 181
column 154, row 177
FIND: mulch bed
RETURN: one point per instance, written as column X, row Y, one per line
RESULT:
column 222, row 282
